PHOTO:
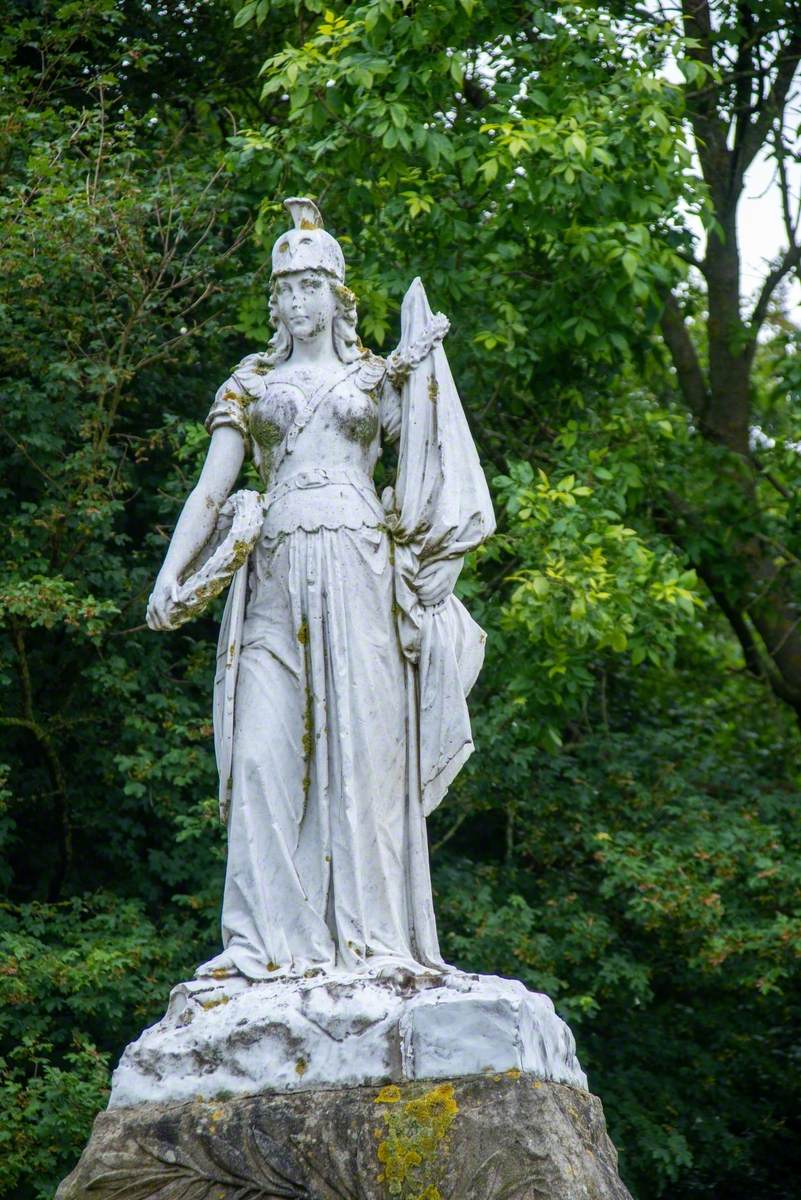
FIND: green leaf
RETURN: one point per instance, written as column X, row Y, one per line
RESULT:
column 245, row 13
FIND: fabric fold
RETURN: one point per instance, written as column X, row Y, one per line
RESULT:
column 439, row 510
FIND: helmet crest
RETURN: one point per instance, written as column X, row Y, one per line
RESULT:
column 307, row 247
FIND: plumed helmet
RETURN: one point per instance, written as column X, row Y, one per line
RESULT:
column 307, row 247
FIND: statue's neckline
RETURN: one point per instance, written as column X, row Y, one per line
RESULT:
column 316, row 379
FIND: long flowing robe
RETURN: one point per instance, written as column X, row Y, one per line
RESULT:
column 340, row 700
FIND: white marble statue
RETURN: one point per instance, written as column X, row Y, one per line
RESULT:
column 344, row 657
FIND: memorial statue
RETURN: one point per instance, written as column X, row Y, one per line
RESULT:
column 344, row 657
column 328, row 1051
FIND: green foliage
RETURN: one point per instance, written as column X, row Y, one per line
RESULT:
column 646, row 877
column 122, row 253
column 47, row 1111
column 530, row 179
column 595, row 586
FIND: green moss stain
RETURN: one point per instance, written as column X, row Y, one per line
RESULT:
column 433, row 389
column 308, row 721
column 346, row 297
column 308, row 725
column 412, row 1141
column 204, row 593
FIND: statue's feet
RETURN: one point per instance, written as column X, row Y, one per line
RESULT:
column 222, row 966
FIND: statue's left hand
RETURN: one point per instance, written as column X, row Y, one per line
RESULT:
column 162, row 599
column 436, row 580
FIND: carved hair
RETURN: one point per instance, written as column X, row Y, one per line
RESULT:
column 347, row 345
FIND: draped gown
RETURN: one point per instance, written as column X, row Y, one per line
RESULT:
column 349, row 696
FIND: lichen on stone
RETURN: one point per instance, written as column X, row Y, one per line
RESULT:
column 433, row 389
column 308, row 724
column 413, row 1142
column 243, row 399
column 345, row 296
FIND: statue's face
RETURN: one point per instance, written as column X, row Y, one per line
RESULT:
column 305, row 303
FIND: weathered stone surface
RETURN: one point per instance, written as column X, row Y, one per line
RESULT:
column 237, row 1037
column 492, row 1137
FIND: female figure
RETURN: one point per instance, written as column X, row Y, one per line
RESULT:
column 344, row 660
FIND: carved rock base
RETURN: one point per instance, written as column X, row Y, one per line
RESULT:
column 494, row 1137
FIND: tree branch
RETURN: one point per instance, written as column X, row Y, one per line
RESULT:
column 754, row 661
column 708, row 126
column 744, row 73
column 685, row 359
column 756, row 133
column 785, row 191
column 791, row 258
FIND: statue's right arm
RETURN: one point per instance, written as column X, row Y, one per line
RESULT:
column 197, row 520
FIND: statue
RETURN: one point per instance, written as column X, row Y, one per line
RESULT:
column 344, row 657
column 329, row 1050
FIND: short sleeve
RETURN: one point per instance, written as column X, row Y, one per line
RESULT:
column 233, row 400
column 390, row 410
column 229, row 410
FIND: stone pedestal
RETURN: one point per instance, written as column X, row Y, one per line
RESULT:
column 348, row 1087
column 495, row 1137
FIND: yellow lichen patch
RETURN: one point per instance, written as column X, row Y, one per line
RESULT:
column 414, row 1141
column 301, row 1067
column 433, row 389
column 303, row 633
column 214, row 1003
column 220, row 973
column 345, row 295
column 513, row 1074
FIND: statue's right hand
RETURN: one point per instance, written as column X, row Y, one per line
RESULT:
column 163, row 597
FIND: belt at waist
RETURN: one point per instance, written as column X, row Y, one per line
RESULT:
column 328, row 498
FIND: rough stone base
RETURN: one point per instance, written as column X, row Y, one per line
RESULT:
column 232, row 1038
column 494, row 1137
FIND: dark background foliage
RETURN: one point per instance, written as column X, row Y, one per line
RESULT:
column 627, row 836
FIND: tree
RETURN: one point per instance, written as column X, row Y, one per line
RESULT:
column 741, row 95
column 557, row 137
column 124, row 251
